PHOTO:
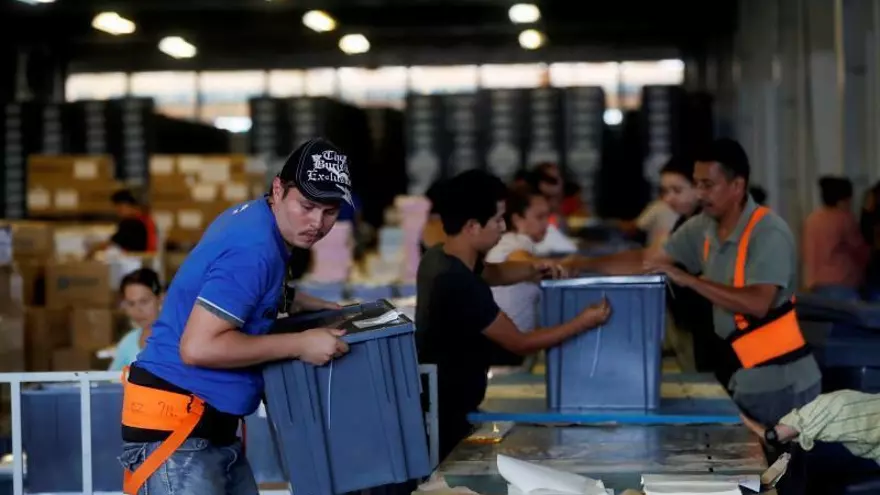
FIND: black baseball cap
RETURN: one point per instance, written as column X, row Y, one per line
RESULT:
column 319, row 170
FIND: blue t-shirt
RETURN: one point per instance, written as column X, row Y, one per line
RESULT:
column 236, row 270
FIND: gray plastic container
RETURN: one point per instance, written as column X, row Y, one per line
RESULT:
column 617, row 365
column 354, row 425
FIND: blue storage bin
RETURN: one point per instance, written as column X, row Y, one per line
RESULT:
column 261, row 451
column 615, row 366
column 356, row 423
column 329, row 291
column 845, row 337
column 405, row 290
column 365, row 292
column 51, row 436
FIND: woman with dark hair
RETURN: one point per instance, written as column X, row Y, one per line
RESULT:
column 141, row 294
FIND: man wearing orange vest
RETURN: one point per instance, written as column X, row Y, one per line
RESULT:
column 742, row 258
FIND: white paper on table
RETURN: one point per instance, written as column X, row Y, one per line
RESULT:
column 695, row 488
column 532, row 479
column 750, row 481
column 438, row 486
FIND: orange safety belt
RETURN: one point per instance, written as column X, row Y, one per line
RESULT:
column 161, row 410
column 774, row 339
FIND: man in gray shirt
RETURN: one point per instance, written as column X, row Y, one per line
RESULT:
column 742, row 258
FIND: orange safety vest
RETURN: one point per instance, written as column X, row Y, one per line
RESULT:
column 774, row 339
column 153, row 409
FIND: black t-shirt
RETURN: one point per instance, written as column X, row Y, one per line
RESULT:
column 454, row 306
column 131, row 235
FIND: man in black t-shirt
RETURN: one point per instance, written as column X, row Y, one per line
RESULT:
column 456, row 315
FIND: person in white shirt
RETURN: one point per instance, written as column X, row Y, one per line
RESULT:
column 657, row 220
column 526, row 216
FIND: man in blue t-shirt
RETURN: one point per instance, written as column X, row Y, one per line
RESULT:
column 199, row 373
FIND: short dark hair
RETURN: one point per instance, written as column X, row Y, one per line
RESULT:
column 835, row 189
column 519, row 199
column 123, row 197
column 470, row 195
column 729, row 155
column 143, row 276
column 679, row 166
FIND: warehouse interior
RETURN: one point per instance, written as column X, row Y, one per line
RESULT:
column 176, row 113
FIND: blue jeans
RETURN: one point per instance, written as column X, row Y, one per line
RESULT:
column 196, row 468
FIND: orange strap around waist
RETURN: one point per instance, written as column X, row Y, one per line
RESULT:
column 769, row 341
column 153, row 409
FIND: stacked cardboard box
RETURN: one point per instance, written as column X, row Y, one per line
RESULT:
column 188, row 191
column 68, row 308
column 70, row 185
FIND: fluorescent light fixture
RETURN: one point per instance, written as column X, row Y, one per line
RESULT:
column 353, row 44
column 35, row 2
column 524, row 13
column 671, row 64
column 319, row 21
column 177, row 47
column 113, row 23
column 531, row 39
column 233, row 124
column 612, row 116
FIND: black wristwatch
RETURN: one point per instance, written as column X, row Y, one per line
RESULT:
column 772, row 438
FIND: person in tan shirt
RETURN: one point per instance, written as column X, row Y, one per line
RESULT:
column 835, row 253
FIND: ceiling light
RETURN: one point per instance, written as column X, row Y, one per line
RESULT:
column 354, row 43
column 35, row 2
column 612, row 116
column 672, row 64
column 113, row 23
column 177, row 47
column 524, row 13
column 318, row 20
column 531, row 39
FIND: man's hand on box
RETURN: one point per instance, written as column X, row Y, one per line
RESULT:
column 320, row 345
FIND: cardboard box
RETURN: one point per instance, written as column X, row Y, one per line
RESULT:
column 45, row 331
column 81, row 168
column 95, row 329
column 33, row 277
column 12, row 342
column 81, row 284
column 31, row 240
column 75, row 360
column 11, row 290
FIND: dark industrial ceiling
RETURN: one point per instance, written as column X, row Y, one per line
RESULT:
column 234, row 34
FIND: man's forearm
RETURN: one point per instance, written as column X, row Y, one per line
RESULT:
column 509, row 272
column 742, row 300
column 235, row 349
column 624, row 263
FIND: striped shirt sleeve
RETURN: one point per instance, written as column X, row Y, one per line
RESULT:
column 848, row 417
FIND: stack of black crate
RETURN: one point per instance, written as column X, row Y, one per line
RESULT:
column 675, row 123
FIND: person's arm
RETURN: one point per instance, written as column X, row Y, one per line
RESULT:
column 769, row 267
column 684, row 246
column 230, row 293
column 305, row 302
column 504, row 332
